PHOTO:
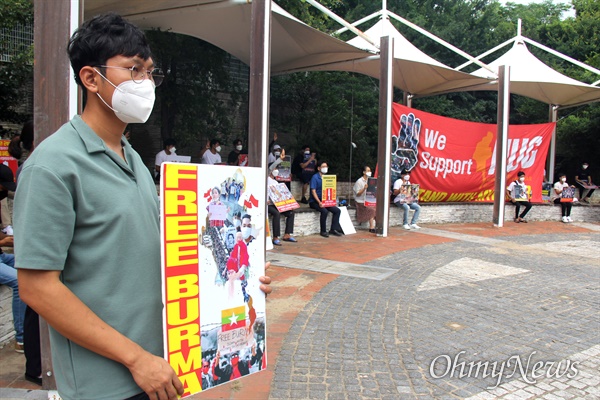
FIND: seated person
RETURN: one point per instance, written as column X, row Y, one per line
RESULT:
column 210, row 155
column 364, row 213
column 399, row 201
column 583, row 178
column 234, row 155
column 518, row 188
column 274, row 212
column 316, row 193
column 166, row 154
column 557, row 193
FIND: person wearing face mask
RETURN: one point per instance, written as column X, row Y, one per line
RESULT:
column 234, row 155
column 87, row 227
column 308, row 167
column 274, row 154
column 211, row 154
column 166, row 154
column 557, row 190
column 583, row 178
column 316, row 194
column 274, row 212
column 397, row 191
column 517, row 192
column 364, row 213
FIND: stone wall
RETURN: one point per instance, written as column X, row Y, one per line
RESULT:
column 6, row 326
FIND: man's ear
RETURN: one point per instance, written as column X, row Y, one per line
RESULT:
column 89, row 77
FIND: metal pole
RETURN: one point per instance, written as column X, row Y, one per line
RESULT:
column 501, row 143
column 385, row 136
column 553, row 110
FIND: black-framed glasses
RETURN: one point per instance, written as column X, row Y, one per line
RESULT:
column 138, row 74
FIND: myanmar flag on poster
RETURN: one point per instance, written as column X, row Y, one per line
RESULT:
column 233, row 318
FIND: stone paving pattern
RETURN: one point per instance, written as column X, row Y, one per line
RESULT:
column 507, row 295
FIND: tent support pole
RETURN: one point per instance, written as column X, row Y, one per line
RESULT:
column 501, row 143
column 553, row 111
column 54, row 21
column 386, row 90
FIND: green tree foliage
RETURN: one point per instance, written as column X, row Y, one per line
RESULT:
column 17, row 73
column 193, row 108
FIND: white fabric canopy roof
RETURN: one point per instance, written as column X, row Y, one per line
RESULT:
column 226, row 24
column 414, row 71
column 530, row 77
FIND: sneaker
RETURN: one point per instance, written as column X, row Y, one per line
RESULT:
column 565, row 220
column 569, row 219
column 304, row 200
column 415, row 226
column 19, row 347
column 324, row 234
column 406, row 226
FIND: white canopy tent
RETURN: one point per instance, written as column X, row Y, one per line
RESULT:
column 532, row 78
column 414, row 71
column 227, row 24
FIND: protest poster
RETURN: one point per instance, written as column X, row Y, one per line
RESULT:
column 214, row 318
column 328, row 196
column 408, row 194
column 6, row 158
column 520, row 194
column 371, row 194
column 282, row 198
column 285, row 170
column 567, row 195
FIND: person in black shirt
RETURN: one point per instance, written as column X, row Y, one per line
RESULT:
column 583, row 178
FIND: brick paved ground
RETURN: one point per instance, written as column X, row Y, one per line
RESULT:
column 462, row 296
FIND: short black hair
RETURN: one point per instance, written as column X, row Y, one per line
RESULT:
column 103, row 37
column 561, row 174
column 305, row 147
column 520, row 173
column 247, row 216
column 214, row 141
column 169, row 142
column 236, row 141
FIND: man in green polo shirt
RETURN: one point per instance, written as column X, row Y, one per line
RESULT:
column 87, row 228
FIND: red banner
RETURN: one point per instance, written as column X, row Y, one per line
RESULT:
column 454, row 160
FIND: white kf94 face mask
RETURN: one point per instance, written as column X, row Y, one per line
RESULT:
column 132, row 102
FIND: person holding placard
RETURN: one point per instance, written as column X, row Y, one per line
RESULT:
column 405, row 200
column 363, row 213
column 563, row 196
column 315, row 202
column 517, row 191
column 584, row 179
column 274, row 212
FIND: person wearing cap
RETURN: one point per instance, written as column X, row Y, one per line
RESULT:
column 583, row 178
column 8, row 273
column 399, row 201
column 518, row 193
column 274, row 154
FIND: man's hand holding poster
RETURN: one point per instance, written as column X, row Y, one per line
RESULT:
column 212, row 256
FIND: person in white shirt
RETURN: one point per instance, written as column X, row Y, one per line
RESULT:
column 364, row 213
column 517, row 191
column 405, row 180
column 211, row 155
column 565, row 206
column 166, row 154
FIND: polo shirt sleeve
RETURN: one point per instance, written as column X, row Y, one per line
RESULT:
column 44, row 220
column 313, row 182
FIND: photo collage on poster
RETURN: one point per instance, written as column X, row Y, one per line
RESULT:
column 223, row 208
